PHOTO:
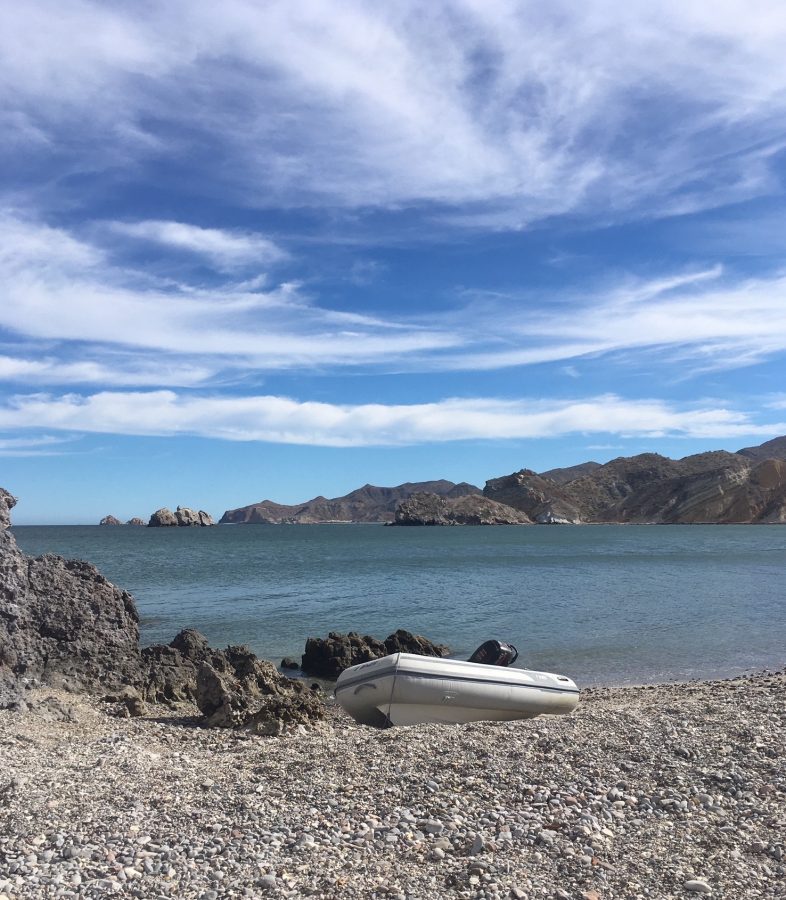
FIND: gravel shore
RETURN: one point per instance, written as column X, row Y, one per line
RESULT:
column 658, row 792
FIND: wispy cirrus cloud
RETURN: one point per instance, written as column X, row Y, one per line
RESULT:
column 226, row 249
column 501, row 112
column 101, row 323
column 277, row 419
column 43, row 445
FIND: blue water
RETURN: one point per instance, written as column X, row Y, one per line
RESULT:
column 604, row 604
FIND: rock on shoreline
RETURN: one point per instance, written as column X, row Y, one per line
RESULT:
column 63, row 624
column 329, row 657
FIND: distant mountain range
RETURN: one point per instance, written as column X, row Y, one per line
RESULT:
column 715, row 487
column 366, row 504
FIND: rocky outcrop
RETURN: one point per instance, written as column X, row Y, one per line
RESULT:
column 61, row 622
column 429, row 509
column 246, row 692
column 136, row 521
column 329, row 657
column 366, row 504
column 540, row 499
column 182, row 516
column 110, row 520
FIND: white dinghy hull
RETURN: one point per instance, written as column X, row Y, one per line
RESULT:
column 405, row 689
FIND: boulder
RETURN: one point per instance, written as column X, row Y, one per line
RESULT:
column 169, row 672
column 135, row 521
column 110, row 520
column 61, row 622
column 162, row 518
column 329, row 657
column 241, row 691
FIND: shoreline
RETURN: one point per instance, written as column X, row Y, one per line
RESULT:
column 657, row 791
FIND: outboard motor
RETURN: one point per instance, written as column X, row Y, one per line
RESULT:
column 495, row 653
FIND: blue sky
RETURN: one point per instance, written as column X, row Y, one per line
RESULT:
column 275, row 250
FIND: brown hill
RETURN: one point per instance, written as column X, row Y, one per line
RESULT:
column 369, row 504
column 563, row 476
column 774, row 449
column 714, row 487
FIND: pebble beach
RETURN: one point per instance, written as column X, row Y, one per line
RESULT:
column 667, row 791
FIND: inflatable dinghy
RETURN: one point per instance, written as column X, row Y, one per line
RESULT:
column 405, row 689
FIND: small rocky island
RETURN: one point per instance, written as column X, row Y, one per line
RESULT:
column 183, row 517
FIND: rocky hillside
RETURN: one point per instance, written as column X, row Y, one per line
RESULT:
column 366, row 504
column 474, row 509
column 716, row 487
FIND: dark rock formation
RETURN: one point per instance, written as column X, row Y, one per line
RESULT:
column 366, row 504
column 182, row 516
column 61, row 622
column 136, row 521
column 169, row 672
column 250, row 693
column 110, row 520
column 328, row 657
column 429, row 509
column 288, row 663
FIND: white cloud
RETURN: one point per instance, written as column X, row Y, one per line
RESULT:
column 54, row 289
column 61, row 293
column 507, row 110
column 227, row 250
column 700, row 318
column 118, row 370
column 284, row 420
column 45, row 445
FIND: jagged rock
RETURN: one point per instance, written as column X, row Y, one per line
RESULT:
column 366, row 504
column 429, row 509
column 191, row 517
column 183, row 516
column 250, row 693
column 170, row 671
column 7, row 503
column 61, row 622
column 329, row 657
column 135, row 521
column 110, row 520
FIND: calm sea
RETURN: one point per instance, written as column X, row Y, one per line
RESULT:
column 603, row 604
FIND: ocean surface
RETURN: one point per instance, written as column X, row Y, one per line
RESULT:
column 603, row 604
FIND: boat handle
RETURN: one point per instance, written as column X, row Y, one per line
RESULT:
column 360, row 687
